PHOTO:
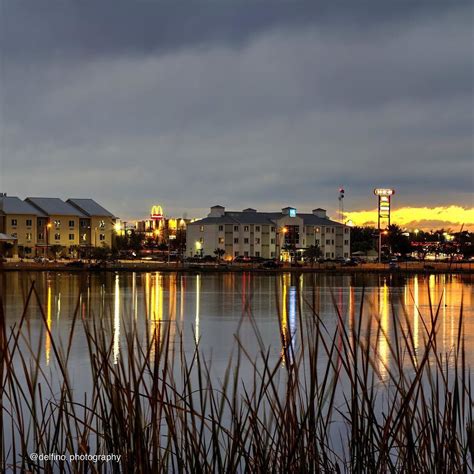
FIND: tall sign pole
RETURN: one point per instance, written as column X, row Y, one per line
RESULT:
column 384, row 195
column 341, row 204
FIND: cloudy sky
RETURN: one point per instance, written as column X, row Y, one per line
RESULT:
column 241, row 103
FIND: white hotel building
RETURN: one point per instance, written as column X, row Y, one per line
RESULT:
column 250, row 233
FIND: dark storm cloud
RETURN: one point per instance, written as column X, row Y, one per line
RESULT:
column 249, row 103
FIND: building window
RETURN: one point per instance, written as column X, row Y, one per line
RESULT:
column 201, row 228
column 328, row 254
column 57, row 236
column 328, row 241
column 71, row 236
column 84, row 237
column 41, row 236
column 246, row 228
column 102, row 225
column 29, row 236
column 236, row 240
column 273, row 229
column 28, row 222
column 246, row 254
column 71, row 223
column 257, row 228
column 272, row 254
column 332, row 242
column 236, row 228
column 57, row 224
column 332, row 230
column 246, row 240
column 221, row 240
column 221, row 228
column 257, row 254
column 332, row 254
column 346, row 255
column 346, row 242
column 14, row 235
column 84, row 224
column 236, row 254
column 102, row 237
column 346, row 230
column 14, row 222
column 272, row 241
column 201, row 240
column 317, row 230
column 317, row 241
column 257, row 240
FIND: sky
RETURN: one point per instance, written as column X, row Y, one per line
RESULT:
column 191, row 103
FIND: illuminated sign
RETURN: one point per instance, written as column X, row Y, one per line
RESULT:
column 384, row 191
column 156, row 213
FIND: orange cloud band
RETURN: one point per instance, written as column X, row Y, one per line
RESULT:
column 424, row 218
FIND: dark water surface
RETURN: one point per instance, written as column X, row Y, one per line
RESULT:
column 214, row 309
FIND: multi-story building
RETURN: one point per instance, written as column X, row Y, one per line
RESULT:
column 267, row 234
column 38, row 224
column 19, row 220
column 97, row 227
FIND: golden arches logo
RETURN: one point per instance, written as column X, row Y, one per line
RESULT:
column 156, row 212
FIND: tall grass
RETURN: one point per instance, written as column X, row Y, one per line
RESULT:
column 329, row 405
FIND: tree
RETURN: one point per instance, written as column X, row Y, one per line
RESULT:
column 363, row 239
column 219, row 253
column 312, row 253
column 101, row 253
column 397, row 241
column 56, row 250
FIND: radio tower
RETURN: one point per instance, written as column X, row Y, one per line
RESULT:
column 341, row 204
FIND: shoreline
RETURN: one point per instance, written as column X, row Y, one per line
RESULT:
column 331, row 268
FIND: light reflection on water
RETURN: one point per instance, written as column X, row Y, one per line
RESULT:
column 211, row 306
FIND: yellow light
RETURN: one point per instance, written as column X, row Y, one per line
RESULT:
column 198, row 245
column 416, row 231
column 117, row 227
column 284, row 230
column 385, row 232
column 49, row 225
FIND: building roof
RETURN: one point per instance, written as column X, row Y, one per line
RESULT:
column 311, row 219
column 55, row 207
column 245, row 217
column 90, row 207
column 14, row 205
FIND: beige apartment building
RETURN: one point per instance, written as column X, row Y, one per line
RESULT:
column 249, row 233
column 97, row 227
column 19, row 221
column 38, row 223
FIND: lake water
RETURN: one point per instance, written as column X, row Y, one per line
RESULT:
column 215, row 309
column 262, row 312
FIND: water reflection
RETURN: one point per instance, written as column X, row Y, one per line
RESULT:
column 116, row 340
column 198, row 305
column 152, row 302
column 49, row 322
column 288, row 318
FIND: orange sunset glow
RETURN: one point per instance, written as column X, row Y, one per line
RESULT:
column 424, row 218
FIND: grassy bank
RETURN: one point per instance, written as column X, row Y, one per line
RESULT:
column 329, row 404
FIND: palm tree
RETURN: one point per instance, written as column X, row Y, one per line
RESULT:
column 219, row 253
column 312, row 253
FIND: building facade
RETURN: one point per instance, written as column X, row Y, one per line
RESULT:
column 280, row 235
column 38, row 224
